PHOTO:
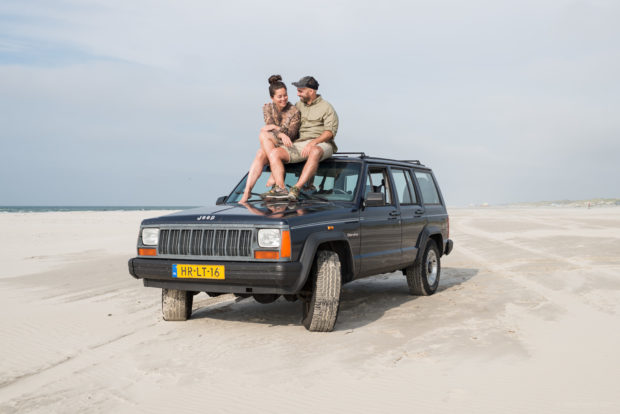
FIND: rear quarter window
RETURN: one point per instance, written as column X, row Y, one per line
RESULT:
column 430, row 195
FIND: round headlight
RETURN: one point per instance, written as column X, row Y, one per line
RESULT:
column 150, row 237
column 269, row 238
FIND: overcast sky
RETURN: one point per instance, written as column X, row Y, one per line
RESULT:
column 159, row 102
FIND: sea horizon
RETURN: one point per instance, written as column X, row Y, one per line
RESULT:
column 69, row 208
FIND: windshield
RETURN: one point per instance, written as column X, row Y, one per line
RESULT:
column 333, row 181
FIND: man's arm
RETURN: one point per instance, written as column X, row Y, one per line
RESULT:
column 325, row 136
column 331, row 127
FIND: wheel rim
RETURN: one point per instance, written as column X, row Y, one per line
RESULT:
column 432, row 267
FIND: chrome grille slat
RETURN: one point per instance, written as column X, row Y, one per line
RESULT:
column 206, row 242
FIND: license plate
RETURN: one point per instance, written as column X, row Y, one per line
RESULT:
column 185, row 271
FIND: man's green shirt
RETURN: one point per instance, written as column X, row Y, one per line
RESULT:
column 316, row 118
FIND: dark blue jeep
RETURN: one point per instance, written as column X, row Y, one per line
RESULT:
column 361, row 216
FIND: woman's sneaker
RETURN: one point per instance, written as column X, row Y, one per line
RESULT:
column 276, row 193
column 267, row 193
column 293, row 194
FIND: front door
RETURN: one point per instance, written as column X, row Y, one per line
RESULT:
column 380, row 227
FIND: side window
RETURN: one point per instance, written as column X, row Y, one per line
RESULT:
column 378, row 182
column 427, row 187
column 402, row 182
column 414, row 198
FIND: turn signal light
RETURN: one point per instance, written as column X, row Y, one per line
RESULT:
column 147, row 252
column 285, row 246
column 265, row 254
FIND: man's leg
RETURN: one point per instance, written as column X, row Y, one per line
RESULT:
column 255, row 170
column 311, row 166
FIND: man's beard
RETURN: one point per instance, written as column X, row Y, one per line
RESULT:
column 304, row 99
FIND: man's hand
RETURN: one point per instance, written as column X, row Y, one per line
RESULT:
column 306, row 151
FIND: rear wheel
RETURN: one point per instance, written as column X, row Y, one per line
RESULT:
column 423, row 275
column 320, row 311
column 176, row 305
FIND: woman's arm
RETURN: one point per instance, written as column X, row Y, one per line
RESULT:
column 291, row 123
column 268, row 114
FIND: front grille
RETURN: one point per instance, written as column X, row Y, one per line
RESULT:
column 206, row 242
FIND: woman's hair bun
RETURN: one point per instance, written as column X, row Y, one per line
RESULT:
column 275, row 78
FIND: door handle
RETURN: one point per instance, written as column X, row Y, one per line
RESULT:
column 394, row 213
column 419, row 211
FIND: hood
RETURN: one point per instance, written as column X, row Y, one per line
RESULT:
column 260, row 212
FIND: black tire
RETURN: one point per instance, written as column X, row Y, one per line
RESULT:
column 290, row 298
column 423, row 275
column 266, row 298
column 321, row 310
column 176, row 305
column 242, row 295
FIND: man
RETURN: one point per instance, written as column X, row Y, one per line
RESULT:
column 319, row 124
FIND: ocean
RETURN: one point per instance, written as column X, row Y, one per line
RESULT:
column 41, row 209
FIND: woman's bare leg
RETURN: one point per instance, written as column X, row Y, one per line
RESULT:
column 267, row 143
column 255, row 170
column 277, row 158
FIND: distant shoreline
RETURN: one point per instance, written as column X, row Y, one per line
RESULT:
column 47, row 209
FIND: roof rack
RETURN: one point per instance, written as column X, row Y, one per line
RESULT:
column 363, row 155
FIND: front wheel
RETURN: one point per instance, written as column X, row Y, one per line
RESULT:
column 320, row 311
column 423, row 275
column 176, row 305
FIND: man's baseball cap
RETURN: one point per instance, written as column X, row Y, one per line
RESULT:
column 307, row 82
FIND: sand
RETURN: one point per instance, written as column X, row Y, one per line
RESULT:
column 525, row 320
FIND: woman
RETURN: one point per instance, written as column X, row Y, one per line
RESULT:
column 282, row 120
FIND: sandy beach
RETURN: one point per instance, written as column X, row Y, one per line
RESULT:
column 526, row 320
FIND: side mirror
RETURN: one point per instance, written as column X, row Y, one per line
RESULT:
column 221, row 200
column 374, row 200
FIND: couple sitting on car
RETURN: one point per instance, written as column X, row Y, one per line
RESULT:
column 293, row 133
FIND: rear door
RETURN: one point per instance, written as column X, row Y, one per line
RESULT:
column 435, row 211
column 380, row 226
column 411, row 212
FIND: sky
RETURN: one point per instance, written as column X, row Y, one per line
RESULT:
column 159, row 102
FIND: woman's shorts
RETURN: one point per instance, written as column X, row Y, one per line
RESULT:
column 294, row 152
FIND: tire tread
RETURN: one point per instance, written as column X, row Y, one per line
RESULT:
column 176, row 305
column 323, row 307
column 416, row 273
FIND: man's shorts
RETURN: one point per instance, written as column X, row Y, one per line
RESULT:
column 294, row 152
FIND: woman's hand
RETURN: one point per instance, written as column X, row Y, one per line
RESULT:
column 268, row 128
column 285, row 140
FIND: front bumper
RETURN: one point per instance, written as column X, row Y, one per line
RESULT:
column 241, row 277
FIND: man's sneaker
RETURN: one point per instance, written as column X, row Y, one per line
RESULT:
column 276, row 193
column 293, row 193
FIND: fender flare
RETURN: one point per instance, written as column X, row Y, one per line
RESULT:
column 306, row 258
column 426, row 234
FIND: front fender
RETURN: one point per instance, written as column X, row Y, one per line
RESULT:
column 309, row 251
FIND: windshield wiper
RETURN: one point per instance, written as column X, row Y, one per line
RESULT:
column 313, row 196
column 251, row 194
